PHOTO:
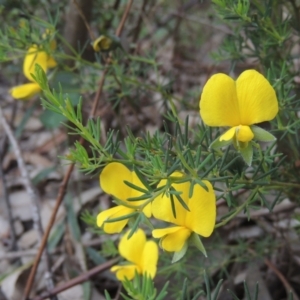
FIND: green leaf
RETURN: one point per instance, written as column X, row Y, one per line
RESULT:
column 87, row 291
column 40, row 77
column 217, row 144
column 51, row 119
column 163, row 293
column 247, row 154
column 56, row 236
column 72, row 218
column 42, row 175
column 262, row 135
column 180, row 254
column 95, row 256
column 195, row 240
column 121, row 218
column 107, row 296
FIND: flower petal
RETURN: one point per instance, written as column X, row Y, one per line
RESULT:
column 244, row 134
column 228, row 135
column 112, row 180
column 25, row 91
column 149, row 259
column 132, row 249
column 34, row 56
column 219, row 104
column 148, row 210
column 51, row 62
column 162, row 207
column 126, row 271
column 159, row 233
column 115, row 212
column 256, row 97
column 173, row 238
column 202, row 216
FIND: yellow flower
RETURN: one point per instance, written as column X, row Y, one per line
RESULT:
column 102, row 43
column 238, row 104
column 33, row 56
column 112, row 182
column 105, row 43
column 200, row 218
column 141, row 254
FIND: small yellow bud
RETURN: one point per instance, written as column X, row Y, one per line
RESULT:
column 105, row 43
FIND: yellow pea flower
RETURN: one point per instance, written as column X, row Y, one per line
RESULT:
column 200, row 218
column 102, row 43
column 238, row 104
column 142, row 256
column 105, row 43
column 33, row 56
column 112, row 180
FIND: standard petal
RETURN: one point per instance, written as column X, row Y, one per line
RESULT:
column 149, row 259
column 132, row 249
column 25, row 91
column 244, row 134
column 162, row 207
column 219, row 104
column 228, row 135
column 112, row 180
column 257, row 98
column 34, row 56
column 173, row 238
column 202, row 216
column 126, row 271
column 115, row 212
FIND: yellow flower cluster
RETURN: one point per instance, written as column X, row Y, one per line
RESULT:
column 200, row 218
column 237, row 104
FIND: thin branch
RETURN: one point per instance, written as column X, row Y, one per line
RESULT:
column 67, row 176
column 30, row 191
column 60, row 196
column 286, row 284
column 79, row 279
column 84, row 20
column 124, row 17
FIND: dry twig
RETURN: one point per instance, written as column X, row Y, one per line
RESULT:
column 286, row 284
column 79, row 279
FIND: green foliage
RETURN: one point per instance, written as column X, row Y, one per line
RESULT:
column 142, row 288
column 259, row 33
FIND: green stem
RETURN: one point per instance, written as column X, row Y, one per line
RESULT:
column 238, row 210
